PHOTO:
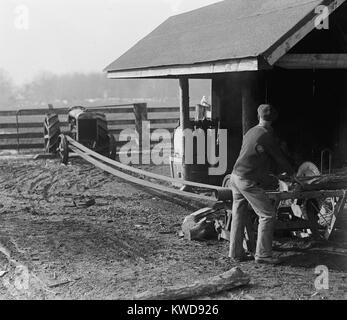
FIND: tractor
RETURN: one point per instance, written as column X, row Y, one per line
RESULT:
column 86, row 127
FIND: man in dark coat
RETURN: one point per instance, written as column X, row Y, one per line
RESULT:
column 251, row 176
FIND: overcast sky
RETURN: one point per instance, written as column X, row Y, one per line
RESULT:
column 76, row 35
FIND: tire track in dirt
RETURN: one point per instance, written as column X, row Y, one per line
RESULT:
column 45, row 179
column 26, row 182
column 36, row 182
column 48, row 187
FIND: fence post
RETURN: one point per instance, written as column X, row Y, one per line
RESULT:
column 17, row 126
column 141, row 115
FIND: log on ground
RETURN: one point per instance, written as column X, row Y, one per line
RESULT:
column 227, row 281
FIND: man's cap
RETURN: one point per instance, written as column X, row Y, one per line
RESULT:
column 267, row 112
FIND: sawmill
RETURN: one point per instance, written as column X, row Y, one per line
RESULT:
column 279, row 52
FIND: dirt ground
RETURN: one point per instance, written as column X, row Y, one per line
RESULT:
column 56, row 243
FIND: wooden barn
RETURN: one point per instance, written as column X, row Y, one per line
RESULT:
column 290, row 53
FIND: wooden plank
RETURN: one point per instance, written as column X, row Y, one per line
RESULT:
column 8, row 113
column 127, row 108
column 164, row 121
column 225, row 282
column 138, row 171
column 13, row 125
column 313, row 61
column 22, row 146
column 25, row 125
column 167, row 109
column 281, row 196
column 118, row 131
column 114, row 110
column 300, row 31
column 131, row 179
column 120, row 122
column 40, row 112
column 26, row 135
column 233, row 65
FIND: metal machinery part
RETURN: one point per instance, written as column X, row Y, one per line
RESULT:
column 87, row 127
column 63, row 149
column 226, row 181
column 323, row 208
column 308, row 169
column 112, row 147
column 225, row 194
column 51, row 132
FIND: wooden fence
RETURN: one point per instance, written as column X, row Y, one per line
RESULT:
column 23, row 129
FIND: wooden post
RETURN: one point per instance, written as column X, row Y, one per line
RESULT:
column 184, row 119
column 227, row 105
column 141, row 115
column 216, row 99
column 250, row 100
column 184, row 103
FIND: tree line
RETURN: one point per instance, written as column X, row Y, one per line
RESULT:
column 90, row 89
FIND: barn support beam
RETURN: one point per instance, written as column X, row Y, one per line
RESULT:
column 236, row 98
column 184, row 119
column 227, row 106
column 141, row 119
column 216, row 100
column 313, row 61
column 252, row 97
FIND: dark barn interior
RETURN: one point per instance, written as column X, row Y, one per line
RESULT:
column 311, row 106
column 312, row 117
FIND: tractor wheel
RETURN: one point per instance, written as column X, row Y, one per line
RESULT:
column 63, row 149
column 51, row 132
column 112, row 154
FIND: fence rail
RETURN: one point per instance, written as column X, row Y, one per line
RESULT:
column 23, row 129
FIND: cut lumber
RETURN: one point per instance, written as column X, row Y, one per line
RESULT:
column 227, row 281
column 324, row 182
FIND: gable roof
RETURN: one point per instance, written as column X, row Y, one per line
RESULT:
column 240, row 31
